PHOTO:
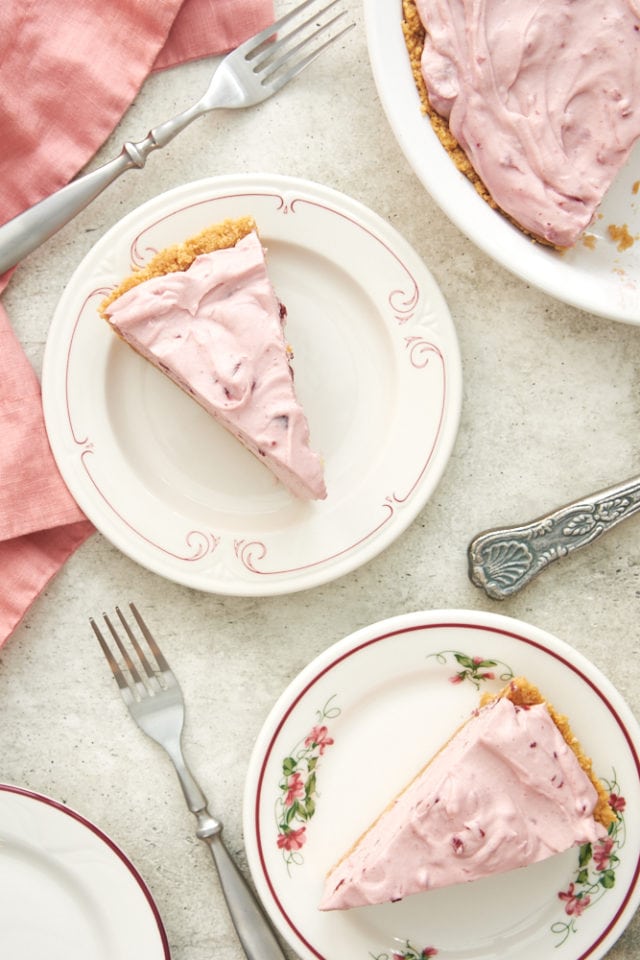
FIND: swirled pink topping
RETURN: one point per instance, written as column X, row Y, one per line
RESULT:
column 544, row 98
column 216, row 330
column 505, row 792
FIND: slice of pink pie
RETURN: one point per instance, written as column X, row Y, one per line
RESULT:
column 510, row 788
column 205, row 313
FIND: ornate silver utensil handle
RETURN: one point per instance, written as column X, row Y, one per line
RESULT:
column 503, row 560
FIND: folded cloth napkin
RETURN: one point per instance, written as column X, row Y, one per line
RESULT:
column 68, row 72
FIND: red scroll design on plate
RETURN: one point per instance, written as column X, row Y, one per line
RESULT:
column 406, row 304
column 248, row 551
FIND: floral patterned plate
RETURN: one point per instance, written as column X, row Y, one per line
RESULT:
column 354, row 727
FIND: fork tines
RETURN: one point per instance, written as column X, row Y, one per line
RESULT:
column 271, row 57
column 128, row 676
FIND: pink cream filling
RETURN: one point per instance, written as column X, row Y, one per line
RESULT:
column 504, row 793
column 217, row 331
column 544, row 98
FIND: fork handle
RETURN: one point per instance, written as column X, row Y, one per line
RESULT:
column 253, row 928
column 29, row 229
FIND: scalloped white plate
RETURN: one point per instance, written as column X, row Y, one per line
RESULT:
column 386, row 699
column 602, row 280
column 377, row 369
column 68, row 892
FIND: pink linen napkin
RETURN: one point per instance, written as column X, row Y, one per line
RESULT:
column 68, row 72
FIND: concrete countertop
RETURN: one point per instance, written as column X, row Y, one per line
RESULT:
column 550, row 411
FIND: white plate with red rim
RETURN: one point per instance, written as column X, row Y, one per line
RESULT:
column 68, row 892
column 594, row 276
column 355, row 726
column 377, row 369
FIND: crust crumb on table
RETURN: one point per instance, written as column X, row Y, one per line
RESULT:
column 621, row 236
column 180, row 256
column 523, row 693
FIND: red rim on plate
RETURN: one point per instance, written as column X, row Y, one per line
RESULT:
column 39, row 798
column 414, row 637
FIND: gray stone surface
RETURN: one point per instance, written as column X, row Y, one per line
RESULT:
column 550, row 412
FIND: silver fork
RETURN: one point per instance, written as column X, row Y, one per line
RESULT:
column 152, row 693
column 248, row 75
